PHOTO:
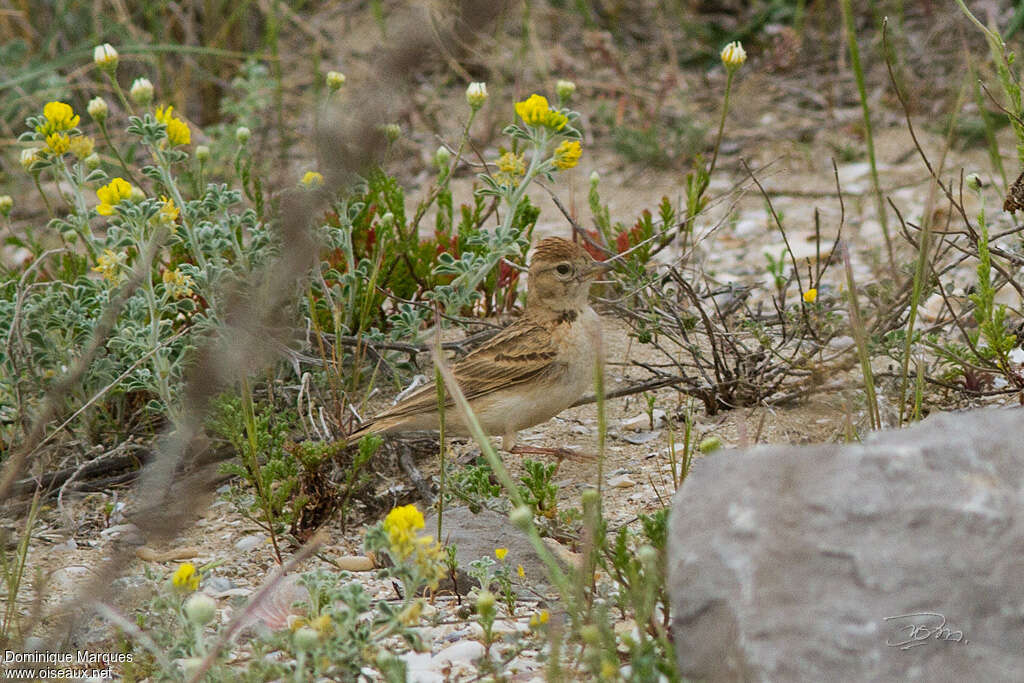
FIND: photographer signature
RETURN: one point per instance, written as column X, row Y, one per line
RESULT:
column 925, row 626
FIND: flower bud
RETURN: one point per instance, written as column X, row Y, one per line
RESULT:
column 29, row 157
column 648, row 556
column 712, row 443
column 485, row 603
column 595, row 178
column 137, row 195
column 6, row 204
column 242, row 135
column 92, row 162
column 522, row 517
column 733, row 55
column 565, row 90
column 392, row 131
column 202, row 154
column 442, row 157
column 105, row 57
column 335, row 79
column 97, row 109
column 476, row 95
column 973, row 181
column 141, row 91
column 590, row 634
column 200, row 609
column 306, row 638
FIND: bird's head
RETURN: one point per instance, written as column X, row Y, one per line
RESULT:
column 560, row 276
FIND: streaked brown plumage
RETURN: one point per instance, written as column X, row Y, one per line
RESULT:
column 533, row 369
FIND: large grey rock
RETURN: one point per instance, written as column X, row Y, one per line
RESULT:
column 797, row 564
column 477, row 535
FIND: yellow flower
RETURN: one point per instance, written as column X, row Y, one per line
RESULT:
column 58, row 143
column 322, row 625
column 423, row 552
column 312, row 179
column 609, row 669
column 534, row 111
column 59, row 117
column 178, row 283
column 402, row 523
column 178, row 132
column 109, row 265
column 81, row 146
column 811, row 295
column 112, row 194
column 521, row 572
column 186, row 577
column 539, row 619
column 410, row 616
column 567, row 154
column 512, row 164
column 511, row 168
column 733, row 55
column 169, row 212
column 500, row 553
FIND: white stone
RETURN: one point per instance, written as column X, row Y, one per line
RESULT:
column 250, row 542
column 459, row 653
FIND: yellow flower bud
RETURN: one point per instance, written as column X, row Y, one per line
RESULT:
column 811, row 295
column 733, row 55
column 335, row 79
column 565, row 90
column 29, row 157
column 105, row 57
column 97, row 109
column 141, row 91
column 476, row 95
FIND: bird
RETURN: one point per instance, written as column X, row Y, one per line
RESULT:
column 531, row 370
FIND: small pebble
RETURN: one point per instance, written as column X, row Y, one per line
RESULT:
column 250, row 542
column 622, row 481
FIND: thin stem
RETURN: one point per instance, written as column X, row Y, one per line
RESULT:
column 721, row 122
column 858, row 72
column 46, row 201
column 120, row 93
column 117, row 153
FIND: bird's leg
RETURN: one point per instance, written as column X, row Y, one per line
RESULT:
column 508, row 443
column 560, row 453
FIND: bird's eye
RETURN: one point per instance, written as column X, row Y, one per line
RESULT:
column 563, row 269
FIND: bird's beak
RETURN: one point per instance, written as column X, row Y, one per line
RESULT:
column 597, row 268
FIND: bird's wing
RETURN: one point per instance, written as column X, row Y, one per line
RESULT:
column 521, row 352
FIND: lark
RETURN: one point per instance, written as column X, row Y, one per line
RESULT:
column 530, row 371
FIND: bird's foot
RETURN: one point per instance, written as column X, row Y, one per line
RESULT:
column 560, row 453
